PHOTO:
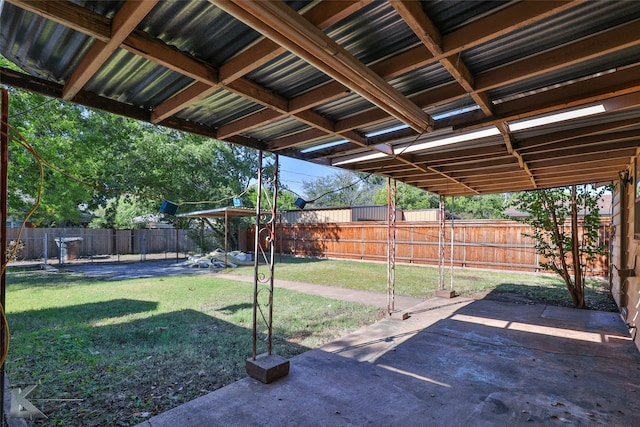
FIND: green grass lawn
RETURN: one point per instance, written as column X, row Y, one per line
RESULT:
column 422, row 281
column 117, row 352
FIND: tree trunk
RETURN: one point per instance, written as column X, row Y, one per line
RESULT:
column 563, row 271
column 577, row 293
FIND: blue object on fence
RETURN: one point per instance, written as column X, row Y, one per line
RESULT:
column 237, row 202
column 168, row 208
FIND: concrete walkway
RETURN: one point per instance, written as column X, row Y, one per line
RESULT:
column 401, row 303
column 455, row 362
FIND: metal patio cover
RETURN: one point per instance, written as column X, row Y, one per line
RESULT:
column 435, row 94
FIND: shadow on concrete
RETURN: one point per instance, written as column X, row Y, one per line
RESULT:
column 453, row 362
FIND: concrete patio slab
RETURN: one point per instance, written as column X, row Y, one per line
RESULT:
column 454, row 362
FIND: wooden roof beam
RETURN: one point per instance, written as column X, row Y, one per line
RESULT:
column 322, row 16
column 70, row 15
column 429, row 35
column 504, row 130
column 609, row 150
column 576, row 159
column 282, row 24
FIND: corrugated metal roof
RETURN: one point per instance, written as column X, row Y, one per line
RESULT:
column 449, row 15
column 586, row 19
column 218, row 37
column 291, row 104
column 374, row 33
column 277, row 129
column 568, row 74
column 289, row 76
column 219, row 108
column 39, row 46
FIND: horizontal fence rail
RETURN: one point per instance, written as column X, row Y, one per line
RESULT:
column 479, row 244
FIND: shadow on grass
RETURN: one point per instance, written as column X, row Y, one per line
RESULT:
column 146, row 365
column 82, row 313
column 290, row 259
column 230, row 309
column 28, row 279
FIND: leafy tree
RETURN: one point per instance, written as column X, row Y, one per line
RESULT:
column 407, row 197
column 114, row 165
column 49, row 127
column 489, row 206
column 485, row 206
column 342, row 189
column 554, row 216
column 120, row 213
column 287, row 199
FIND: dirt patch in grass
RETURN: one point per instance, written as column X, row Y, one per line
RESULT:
column 597, row 295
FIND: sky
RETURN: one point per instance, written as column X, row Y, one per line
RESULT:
column 293, row 172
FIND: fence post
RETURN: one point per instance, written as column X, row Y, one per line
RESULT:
column 464, row 247
column 143, row 245
column 324, row 240
column 45, row 249
column 411, row 244
column 537, row 260
column 177, row 242
column 60, row 247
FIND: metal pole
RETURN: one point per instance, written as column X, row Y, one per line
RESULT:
column 256, row 246
column 4, row 161
column 272, row 248
column 226, row 234
column 391, row 245
column 441, row 245
column 452, row 230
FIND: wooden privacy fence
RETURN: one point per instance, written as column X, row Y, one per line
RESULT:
column 44, row 243
column 480, row 244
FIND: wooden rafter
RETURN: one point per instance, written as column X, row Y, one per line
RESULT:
column 429, row 35
column 283, row 25
column 123, row 23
